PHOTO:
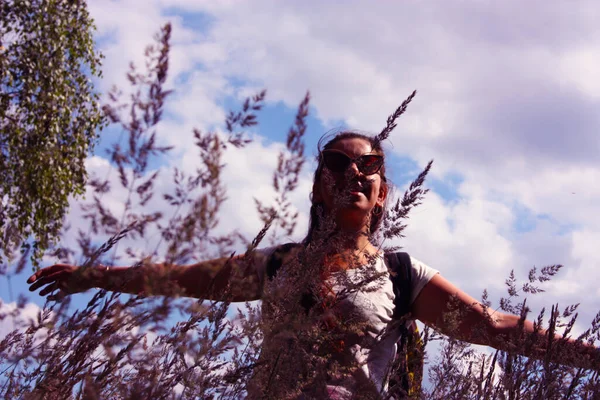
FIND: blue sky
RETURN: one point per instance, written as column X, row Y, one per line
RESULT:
column 507, row 102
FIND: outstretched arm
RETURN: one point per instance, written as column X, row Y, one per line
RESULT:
column 455, row 313
column 233, row 279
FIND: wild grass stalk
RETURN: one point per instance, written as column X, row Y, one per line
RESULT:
column 129, row 347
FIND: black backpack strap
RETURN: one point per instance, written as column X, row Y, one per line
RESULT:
column 400, row 273
column 274, row 263
column 275, row 260
column 407, row 368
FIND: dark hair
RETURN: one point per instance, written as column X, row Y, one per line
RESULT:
column 316, row 209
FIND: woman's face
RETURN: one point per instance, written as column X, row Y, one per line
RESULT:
column 350, row 195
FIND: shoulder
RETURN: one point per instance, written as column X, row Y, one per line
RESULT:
column 272, row 258
column 420, row 272
column 268, row 253
column 417, row 267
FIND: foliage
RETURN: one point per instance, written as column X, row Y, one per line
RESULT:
column 49, row 116
column 129, row 347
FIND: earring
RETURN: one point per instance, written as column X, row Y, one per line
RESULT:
column 377, row 211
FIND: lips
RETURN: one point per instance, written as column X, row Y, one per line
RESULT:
column 359, row 187
column 356, row 190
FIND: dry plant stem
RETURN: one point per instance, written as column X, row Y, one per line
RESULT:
column 145, row 111
column 522, row 377
column 117, row 348
column 532, row 341
column 285, row 178
column 141, row 148
column 515, row 334
column 391, row 120
column 393, row 224
column 162, row 383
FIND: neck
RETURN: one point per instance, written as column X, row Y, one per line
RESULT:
column 351, row 243
column 347, row 250
column 355, row 241
column 354, row 235
column 343, row 237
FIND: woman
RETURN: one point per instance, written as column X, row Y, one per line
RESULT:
column 341, row 272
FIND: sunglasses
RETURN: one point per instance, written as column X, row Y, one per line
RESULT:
column 337, row 161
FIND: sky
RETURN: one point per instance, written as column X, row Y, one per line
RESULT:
column 507, row 102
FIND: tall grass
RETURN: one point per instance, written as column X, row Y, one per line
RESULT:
column 121, row 346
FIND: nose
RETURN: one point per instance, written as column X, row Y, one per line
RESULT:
column 352, row 170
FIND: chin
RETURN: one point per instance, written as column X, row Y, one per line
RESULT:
column 353, row 213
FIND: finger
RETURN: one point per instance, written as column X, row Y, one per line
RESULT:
column 40, row 273
column 39, row 283
column 47, row 271
column 46, row 280
column 49, row 289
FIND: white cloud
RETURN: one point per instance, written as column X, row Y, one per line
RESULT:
column 20, row 318
column 445, row 236
column 247, row 175
column 578, row 68
column 585, row 251
column 15, row 317
column 507, row 100
column 195, row 103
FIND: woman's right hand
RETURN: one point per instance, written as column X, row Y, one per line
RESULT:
column 65, row 278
